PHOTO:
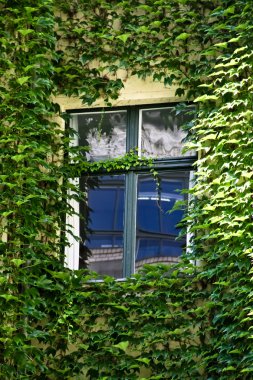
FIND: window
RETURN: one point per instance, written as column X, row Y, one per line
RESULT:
column 128, row 215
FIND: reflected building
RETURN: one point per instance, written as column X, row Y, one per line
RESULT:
column 161, row 133
column 104, row 133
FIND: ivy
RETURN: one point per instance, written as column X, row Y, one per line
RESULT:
column 129, row 161
column 180, row 322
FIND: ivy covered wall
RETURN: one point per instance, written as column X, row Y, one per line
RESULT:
column 185, row 322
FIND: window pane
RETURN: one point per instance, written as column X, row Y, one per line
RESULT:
column 107, row 205
column 157, row 231
column 105, row 225
column 104, row 133
column 161, row 132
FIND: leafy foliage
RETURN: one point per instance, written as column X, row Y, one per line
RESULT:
column 183, row 322
column 222, row 213
column 129, row 161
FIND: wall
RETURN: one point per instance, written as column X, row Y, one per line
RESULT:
column 136, row 91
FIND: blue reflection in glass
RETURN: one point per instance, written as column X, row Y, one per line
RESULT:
column 152, row 248
column 106, row 204
column 105, row 241
column 154, row 206
column 157, row 229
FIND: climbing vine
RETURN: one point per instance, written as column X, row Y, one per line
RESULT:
column 181, row 322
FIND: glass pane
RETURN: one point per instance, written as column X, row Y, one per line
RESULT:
column 104, row 243
column 161, row 132
column 157, row 232
column 104, row 133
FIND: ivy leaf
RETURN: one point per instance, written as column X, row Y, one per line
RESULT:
column 221, row 44
column 143, row 29
column 156, row 24
column 122, row 345
column 246, row 174
column 183, row 36
column 209, row 208
column 9, row 297
column 229, row 368
column 43, row 282
column 212, row 136
column 18, row 262
column 22, row 80
column 25, row 32
column 144, row 360
column 7, row 213
column 177, row 331
column 120, row 307
column 229, row 10
column 203, row 98
column 235, row 39
column 29, row 67
column 30, row 9
column 145, row 7
column 18, row 157
column 124, row 37
column 61, row 275
column 248, row 369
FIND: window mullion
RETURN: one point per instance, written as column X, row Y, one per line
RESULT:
column 130, row 197
column 130, row 224
column 132, row 128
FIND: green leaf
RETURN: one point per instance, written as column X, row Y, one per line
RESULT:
column 212, row 136
column 9, row 297
column 143, row 29
column 31, row 9
column 22, row 80
column 183, row 36
column 17, row 262
column 209, row 208
column 235, row 39
column 122, row 345
column 144, row 360
column 124, row 37
column 247, row 370
column 229, row 10
column 7, row 213
column 221, row 44
column 43, row 282
column 246, row 174
column 30, row 67
column 156, row 24
column 61, row 275
column 145, row 7
column 229, row 368
column 204, row 98
column 18, row 157
column 25, row 32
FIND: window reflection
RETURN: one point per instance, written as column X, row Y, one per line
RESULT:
column 105, row 226
column 160, row 136
column 161, row 131
column 157, row 231
column 104, row 133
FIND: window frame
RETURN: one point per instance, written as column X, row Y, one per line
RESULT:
column 183, row 163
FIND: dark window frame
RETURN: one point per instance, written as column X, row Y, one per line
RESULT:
column 174, row 164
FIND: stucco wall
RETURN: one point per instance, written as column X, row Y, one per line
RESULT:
column 135, row 91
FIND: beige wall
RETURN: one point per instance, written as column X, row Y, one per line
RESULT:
column 135, row 91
